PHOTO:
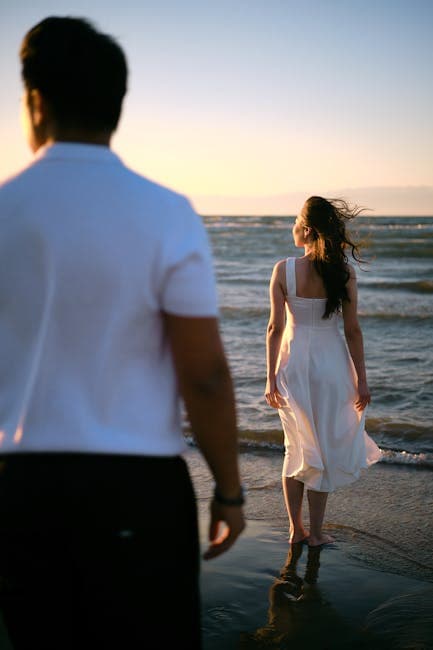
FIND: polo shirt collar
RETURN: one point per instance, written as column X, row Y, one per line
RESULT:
column 76, row 151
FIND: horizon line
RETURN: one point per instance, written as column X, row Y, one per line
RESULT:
column 362, row 216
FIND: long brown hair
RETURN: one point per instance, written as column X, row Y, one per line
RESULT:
column 329, row 241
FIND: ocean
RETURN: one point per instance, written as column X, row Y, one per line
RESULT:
column 395, row 299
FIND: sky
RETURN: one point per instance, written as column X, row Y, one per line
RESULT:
column 248, row 107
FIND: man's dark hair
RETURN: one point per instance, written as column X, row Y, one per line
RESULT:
column 81, row 72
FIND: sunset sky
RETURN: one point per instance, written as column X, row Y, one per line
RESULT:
column 249, row 106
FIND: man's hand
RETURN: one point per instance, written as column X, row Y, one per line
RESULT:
column 233, row 518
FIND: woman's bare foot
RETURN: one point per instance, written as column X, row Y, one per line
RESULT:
column 319, row 541
column 299, row 535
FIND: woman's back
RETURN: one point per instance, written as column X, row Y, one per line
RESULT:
column 304, row 308
column 309, row 284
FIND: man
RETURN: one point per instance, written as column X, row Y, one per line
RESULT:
column 108, row 314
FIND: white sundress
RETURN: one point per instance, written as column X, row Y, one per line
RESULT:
column 326, row 445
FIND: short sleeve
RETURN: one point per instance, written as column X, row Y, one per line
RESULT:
column 189, row 285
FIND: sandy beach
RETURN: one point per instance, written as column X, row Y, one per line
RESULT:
column 372, row 588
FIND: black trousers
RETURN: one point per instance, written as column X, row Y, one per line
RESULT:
column 97, row 552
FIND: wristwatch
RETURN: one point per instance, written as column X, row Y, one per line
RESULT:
column 224, row 501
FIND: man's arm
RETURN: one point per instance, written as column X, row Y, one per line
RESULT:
column 206, row 387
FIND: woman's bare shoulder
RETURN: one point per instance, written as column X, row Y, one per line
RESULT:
column 281, row 264
column 279, row 270
column 279, row 275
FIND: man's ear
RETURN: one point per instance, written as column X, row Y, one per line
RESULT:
column 38, row 107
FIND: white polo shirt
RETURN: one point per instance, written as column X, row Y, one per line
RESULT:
column 91, row 254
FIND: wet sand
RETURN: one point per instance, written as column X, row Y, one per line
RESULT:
column 371, row 589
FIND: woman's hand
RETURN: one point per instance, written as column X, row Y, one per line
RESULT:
column 364, row 396
column 272, row 395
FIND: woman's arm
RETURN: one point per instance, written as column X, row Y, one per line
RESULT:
column 355, row 343
column 275, row 331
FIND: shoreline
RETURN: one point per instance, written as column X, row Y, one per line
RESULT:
column 383, row 518
column 372, row 588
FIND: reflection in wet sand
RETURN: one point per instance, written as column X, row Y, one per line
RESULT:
column 298, row 611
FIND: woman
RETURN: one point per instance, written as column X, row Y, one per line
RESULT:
column 317, row 382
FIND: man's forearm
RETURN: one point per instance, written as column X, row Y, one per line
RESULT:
column 210, row 405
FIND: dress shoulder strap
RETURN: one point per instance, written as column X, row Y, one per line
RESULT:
column 290, row 276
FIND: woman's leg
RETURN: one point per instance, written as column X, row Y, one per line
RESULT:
column 317, row 505
column 293, row 494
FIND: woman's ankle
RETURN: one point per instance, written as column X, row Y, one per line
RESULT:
column 319, row 540
column 298, row 533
